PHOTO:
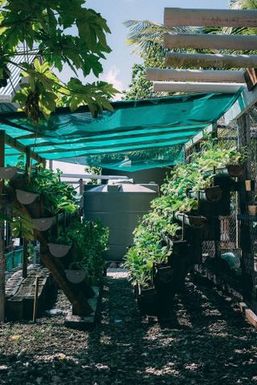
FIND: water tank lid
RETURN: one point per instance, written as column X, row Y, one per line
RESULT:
column 123, row 188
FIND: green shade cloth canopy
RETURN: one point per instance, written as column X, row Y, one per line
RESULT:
column 135, row 135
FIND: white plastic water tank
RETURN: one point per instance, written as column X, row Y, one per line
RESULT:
column 119, row 207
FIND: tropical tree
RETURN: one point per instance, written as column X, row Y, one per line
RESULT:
column 53, row 34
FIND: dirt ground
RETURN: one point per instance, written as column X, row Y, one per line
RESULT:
column 208, row 342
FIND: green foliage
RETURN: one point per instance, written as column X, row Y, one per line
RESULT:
column 89, row 240
column 197, row 175
column 43, row 29
column 57, row 196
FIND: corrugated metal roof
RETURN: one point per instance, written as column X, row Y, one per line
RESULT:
column 7, row 92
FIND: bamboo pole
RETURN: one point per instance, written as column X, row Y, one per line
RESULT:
column 2, row 254
column 208, row 41
column 219, row 76
column 175, row 59
column 175, row 17
column 197, row 87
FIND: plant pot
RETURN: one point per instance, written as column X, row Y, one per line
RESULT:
column 26, row 197
column 7, row 172
column 162, row 275
column 249, row 185
column 42, row 224
column 235, row 170
column 75, row 276
column 58, row 250
column 196, row 221
column 252, row 209
column 147, row 301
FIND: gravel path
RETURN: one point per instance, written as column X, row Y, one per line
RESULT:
column 208, row 342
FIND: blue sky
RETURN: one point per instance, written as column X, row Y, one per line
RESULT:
column 117, row 67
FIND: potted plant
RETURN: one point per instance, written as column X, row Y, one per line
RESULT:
column 252, row 209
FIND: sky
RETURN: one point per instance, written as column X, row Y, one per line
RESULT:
column 118, row 64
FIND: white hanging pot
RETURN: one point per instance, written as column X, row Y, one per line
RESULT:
column 42, row 224
column 26, row 197
column 75, row 276
column 58, row 250
column 7, row 172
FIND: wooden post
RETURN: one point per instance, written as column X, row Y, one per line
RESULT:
column 174, row 17
column 2, row 254
column 211, row 42
column 81, row 186
column 180, row 75
column 195, row 87
column 25, row 242
column 35, row 299
column 25, row 258
column 246, row 239
column 177, row 59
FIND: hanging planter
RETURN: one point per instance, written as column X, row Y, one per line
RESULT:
column 75, row 276
column 196, row 221
column 26, row 197
column 235, row 170
column 7, row 172
column 42, row 224
column 58, row 250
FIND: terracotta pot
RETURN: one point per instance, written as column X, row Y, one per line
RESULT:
column 58, row 250
column 42, row 224
column 75, row 276
column 26, row 197
column 252, row 209
column 7, row 172
column 249, row 185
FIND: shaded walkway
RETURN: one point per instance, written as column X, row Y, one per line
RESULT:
column 208, row 344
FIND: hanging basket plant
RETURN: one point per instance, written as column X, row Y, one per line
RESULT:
column 75, row 274
column 26, row 197
column 210, row 194
column 42, row 224
column 7, row 172
column 196, row 221
column 58, row 250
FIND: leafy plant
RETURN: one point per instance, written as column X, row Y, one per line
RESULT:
column 90, row 241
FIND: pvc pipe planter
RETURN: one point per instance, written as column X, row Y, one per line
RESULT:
column 42, row 224
column 196, row 221
column 26, row 197
column 58, row 250
column 7, row 172
column 75, row 276
column 210, row 194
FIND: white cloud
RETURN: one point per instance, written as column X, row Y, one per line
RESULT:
column 112, row 76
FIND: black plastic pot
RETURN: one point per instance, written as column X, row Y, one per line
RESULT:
column 196, row 221
column 235, row 170
column 210, row 194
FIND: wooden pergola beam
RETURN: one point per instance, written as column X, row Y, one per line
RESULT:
column 197, row 87
column 176, row 59
column 208, row 41
column 175, row 17
column 20, row 147
column 218, row 76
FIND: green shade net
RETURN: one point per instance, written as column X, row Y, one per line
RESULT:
column 134, row 136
